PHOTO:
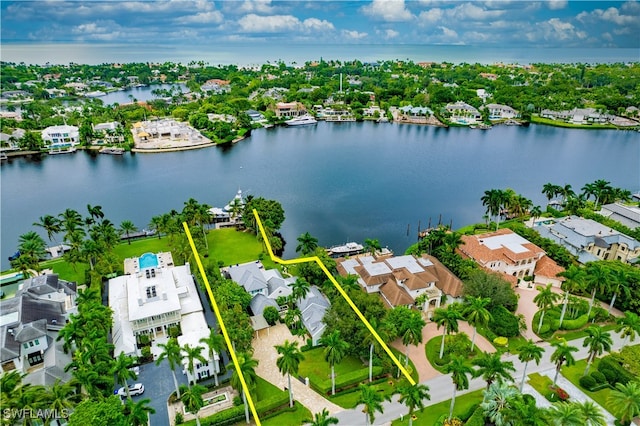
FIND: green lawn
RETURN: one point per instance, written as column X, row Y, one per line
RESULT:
column 541, row 384
column 430, row 415
column 317, row 369
column 432, row 352
column 574, row 373
column 297, row 417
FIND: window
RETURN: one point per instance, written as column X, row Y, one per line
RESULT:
column 37, row 342
column 25, row 345
column 30, row 344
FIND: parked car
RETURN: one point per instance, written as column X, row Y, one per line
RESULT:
column 135, row 389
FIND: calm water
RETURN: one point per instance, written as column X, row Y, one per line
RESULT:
column 341, row 182
column 138, row 93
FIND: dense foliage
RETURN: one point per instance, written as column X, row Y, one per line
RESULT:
column 493, row 286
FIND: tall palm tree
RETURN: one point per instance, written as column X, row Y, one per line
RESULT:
column 138, row 412
column 289, row 362
column 597, row 277
column 497, row 403
column 492, row 368
column 299, row 289
column 536, row 212
column 372, row 401
column 192, row 354
column 460, row 373
column 62, row 397
column 247, row 366
column 448, row 319
column 215, row 343
column 172, row 353
column 621, row 282
column 551, row 190
column 155, row 224
column 529, row 352
column 412, row 326
column 574, row 276
column 477, row 314
column 591, row 413
column 383, row 331
column 601, row 187
column 495, row 200
column 307, row 244
column 628, row 326
column 624, row 401
column 545, row 300
column 562, row 355
column 334, row 351
column 70, row 220
column 372, row 246
column 95, row 212
column 413, row 396
column 566, row 414
column 121, row 369
column 50, row 224
column 598, row 342
column 322, row 419
column 192, row 399
column 127, row 227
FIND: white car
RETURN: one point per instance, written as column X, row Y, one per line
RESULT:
column 135, row 389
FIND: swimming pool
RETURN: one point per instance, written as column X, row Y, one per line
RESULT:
column 148, row 260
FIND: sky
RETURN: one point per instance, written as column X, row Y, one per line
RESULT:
column 507, row 23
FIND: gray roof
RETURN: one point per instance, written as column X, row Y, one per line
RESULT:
column 313, row 307
column 626, row 215
column 249, row 276
column 259, row 302
column 31, row 331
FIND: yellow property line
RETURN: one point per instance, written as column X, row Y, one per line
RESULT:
column 245, row 388
column 317, row 260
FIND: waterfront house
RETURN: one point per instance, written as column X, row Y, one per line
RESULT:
column 590, row 240
column 256, row 280
column 108, row 133
column 150, row 298
column 501, row 112
column 63, row 136
column 463, row 113
column 508, row 253
column 166, row 132
column 313, row 308
column 629, row 216
column 29, row 325
column 289, row 109
column 230, row 215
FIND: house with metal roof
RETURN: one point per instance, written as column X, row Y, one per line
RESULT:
column 629, row 216
column 312, row 308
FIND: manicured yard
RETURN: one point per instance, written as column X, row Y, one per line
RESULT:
column 67, row 271
column 297, row 417
column 542, row 385
column 432, row 352
column 430, row 415
column 574, row 373
column 317, row 369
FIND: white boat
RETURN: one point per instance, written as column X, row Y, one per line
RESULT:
column 347, row 249
column 112, row 150
column 62, row 150
column 301, row 121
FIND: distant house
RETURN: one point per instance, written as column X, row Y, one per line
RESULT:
column 463, row 113
column 508, row 253
column 29, row 325
column 168, row 130
column 410, row 111
column 255, row 116
column 629, row 216
column 500, row 112
column 216, row 85
column 289, row 109
column 60, row 136
column 590, row 240
column 108, row 133
column 152, row 296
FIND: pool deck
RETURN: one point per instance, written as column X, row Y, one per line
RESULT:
column 132, row 264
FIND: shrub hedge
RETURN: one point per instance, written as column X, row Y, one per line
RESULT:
column 613, row 371
column 234, row 415
column 587, row 382
column 477, row 418
column 344, row 380
column 503, row 322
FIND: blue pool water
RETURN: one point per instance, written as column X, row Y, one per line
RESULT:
column 148, row 260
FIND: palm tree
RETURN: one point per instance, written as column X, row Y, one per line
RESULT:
column 601, row 187
column 413, row 396
column 624, row 401
column 551, row 190
column 545, row 300
column 448, row 319
column 300, row 288
column 70, row 220
column 95, row 212
column 529, row 352
column 621, row 282
column 322, row 419
column 192, row 354
column 215, row 343
column 459, row 375
column 598, row 342
column 629, row 326
column 121, row 368
column 334, row 351
column 289, row 362
column 536, row 212
column 566, row 192
column 574, row 276
column 494, row 199
column 372, row 246
column 370, row 339
column 492, row 368
column 62, row 396
column 307, row 244
column 156, row 225
column 138, row 412
column 566, row 414
column 597, row 277
column 476, row 313
column 497, row 403
column 192, row 399
column 372, row 401
column 247, row 367
column 562, row 355
column 171, row 351
column 50, row 224
column 591, row 413
column 412, row 327
column 127, row 227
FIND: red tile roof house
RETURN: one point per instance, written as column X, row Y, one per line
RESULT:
column 400, row 280
column 508, row 253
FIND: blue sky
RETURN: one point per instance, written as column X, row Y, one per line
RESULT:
column 513, row 23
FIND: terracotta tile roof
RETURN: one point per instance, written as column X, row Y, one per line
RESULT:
column 502, row 245
column 445, row 279
column 372, row 280
column 547, row 267
column 395, row 295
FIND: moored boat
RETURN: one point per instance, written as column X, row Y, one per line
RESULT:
column 62, row 150
column 347, row 249
column 301, row 121
column 112, row 150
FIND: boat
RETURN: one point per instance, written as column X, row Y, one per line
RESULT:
column 301, row 121
column 3, row 156
column 347, row 249
column 112, row 150
column 63, row 150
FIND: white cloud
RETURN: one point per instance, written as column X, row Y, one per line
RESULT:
column 431, row 16
column 211, row 17
column 556, row 30
column 389, row 34
column 388, row 10
column 354, row 35
column 259, row 6
column 449, row 33
column 253, row 23
column 473, row 12
column 556, row 4
column 315, row 24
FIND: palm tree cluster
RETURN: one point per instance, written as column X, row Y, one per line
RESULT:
column 505, row 203
column 601, row 190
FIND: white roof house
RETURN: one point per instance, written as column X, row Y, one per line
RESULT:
column 60, row 136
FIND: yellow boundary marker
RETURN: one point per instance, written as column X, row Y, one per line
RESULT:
column 245, row 388
column 317, row 260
